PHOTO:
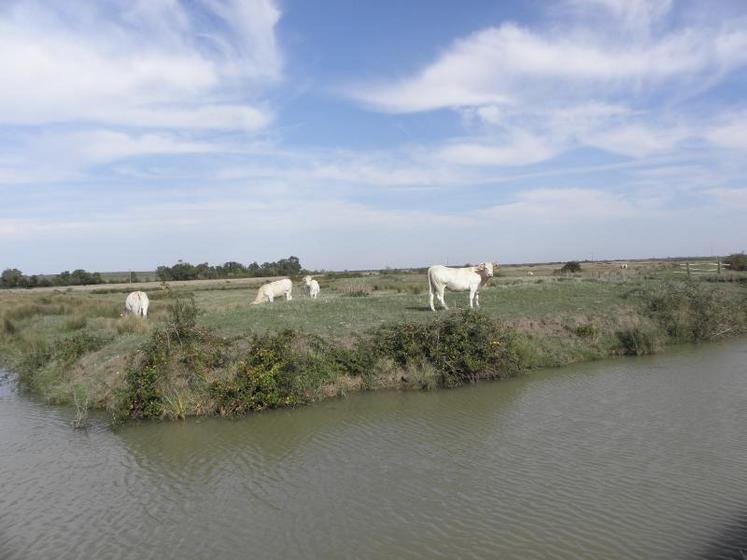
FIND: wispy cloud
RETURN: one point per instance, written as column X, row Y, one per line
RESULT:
column 150, row 65
column 543, row 91
column 510, row 65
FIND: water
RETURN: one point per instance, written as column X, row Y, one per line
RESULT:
column 633, row 458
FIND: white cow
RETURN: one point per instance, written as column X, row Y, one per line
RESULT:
column 271, row 290
column 137, row 304
column 470, row 278
column 530, row 273
column 624, row 266
column 311, row 287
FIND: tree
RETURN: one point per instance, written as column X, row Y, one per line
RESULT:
column 571, row 266
column 11, row 278
column 736, row 261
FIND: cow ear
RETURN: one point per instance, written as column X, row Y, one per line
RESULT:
column 481, row 267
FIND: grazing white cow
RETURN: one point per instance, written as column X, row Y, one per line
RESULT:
column 624, row 266
column 530, row 273
column 470, row 278
column 137, row 304
column 271, row 290
column 311, row 287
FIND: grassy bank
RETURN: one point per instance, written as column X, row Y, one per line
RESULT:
column 205, row 350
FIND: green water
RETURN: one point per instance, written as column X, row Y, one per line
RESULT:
column 633, row 458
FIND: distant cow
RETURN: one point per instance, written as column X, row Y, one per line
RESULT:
column 137, row 304
column 271, row 290
column 470, row 278
column 624, row 266
column 530, row 273
column 311, row 287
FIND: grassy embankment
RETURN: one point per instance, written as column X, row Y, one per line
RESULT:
column 206, row 350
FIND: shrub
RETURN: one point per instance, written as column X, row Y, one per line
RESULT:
column 588, row 330
column 736, row 261
column 461, row 347
column 183, row 312
column 637, row 341
column 571, row 266
column 282, row 369
column 692, row 311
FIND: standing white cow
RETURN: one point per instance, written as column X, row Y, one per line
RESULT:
column 311, row 287
column 271, row 290
column 470, row 278
column 137, row 304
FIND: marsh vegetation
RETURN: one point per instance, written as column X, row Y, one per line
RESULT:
column 205, row 350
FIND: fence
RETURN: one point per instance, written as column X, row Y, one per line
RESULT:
column 699, row 267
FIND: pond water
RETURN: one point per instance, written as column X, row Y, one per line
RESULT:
column 631, row 458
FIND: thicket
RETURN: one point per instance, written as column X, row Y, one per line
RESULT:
column 232, row 269
column 684, row 312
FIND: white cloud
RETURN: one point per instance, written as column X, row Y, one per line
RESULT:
column 510, row 64
column 142, row 67
column 520, row 149
column 636, row 140
column 730, row 133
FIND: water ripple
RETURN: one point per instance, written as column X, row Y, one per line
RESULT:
column 626, row 459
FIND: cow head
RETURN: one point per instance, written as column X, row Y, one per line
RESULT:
column 307, row 280
column 485, row 269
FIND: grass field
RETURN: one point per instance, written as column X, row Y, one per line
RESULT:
column 62, row 342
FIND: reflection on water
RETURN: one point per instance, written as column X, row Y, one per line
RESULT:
column 634, row 458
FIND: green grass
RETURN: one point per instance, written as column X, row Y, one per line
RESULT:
column 68, row 343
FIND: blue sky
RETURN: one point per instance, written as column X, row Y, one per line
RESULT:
column 369, row 134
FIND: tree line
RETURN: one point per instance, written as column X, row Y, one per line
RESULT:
column 14, row 278
column 232, row 269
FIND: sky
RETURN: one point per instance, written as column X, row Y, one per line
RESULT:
column 368, row 134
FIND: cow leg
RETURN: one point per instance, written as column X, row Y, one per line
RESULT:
column 472, row 298
column 270, row 298
column 288, row 296
column 430, row 300
column 442, row 300
column 477, row 299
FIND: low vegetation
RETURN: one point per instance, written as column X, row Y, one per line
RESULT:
column 208, row 351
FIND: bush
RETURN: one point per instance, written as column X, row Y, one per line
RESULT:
column 283, row 369
column 571, row 266
column 462, row 347
column 736, row 261
column 588, row 330
column 692, row 311
column 183, row 314
column 637, row 341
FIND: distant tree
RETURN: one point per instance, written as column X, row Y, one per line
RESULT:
column 737, row 261
column 11, row 278
column 231, row 269
column 571, row 266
